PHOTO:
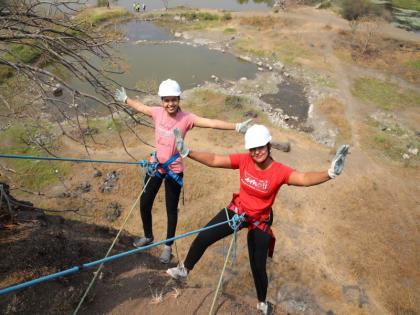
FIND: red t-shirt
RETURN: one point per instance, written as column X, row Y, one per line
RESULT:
column 258, row 189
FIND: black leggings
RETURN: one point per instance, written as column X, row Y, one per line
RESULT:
column 172, row 192
column 258, row 244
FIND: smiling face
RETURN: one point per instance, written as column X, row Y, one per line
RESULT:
column 260, row 154
column 171, row 104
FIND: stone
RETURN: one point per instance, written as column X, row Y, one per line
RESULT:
column 113, row 211
column 58, row 90
column 178, row 34
column 413, row 151
column 97, row 173
column 405, row 156
column 83, row 188
column 250, row 114
column 260, row 69
column 243, row 79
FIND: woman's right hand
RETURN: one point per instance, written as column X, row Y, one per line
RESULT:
column 180, row 145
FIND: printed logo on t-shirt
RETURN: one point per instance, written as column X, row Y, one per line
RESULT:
column 165, row 132
column 255, row 183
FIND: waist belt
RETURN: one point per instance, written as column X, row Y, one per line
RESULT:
column 153, row 169
column 255, row 224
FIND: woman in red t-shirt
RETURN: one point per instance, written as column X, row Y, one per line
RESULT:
column 260, row 179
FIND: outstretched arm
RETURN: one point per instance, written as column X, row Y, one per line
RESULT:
column 121, row 96
column 315, row 178
column 220, row 124
column 210, row 159
column 308, row 178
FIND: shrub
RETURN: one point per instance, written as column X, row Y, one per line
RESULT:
column 5, row 73
column 234, row 101
column 227, row 17
column 24, row 53
column 353, row 9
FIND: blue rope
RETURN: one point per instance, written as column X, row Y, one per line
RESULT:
column 49, row 158
column 100, row 261
column 151, row 166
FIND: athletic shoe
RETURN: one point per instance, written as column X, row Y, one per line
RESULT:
column 166, row 255
column 265, row 308
column 178, row 273
column 142, row 241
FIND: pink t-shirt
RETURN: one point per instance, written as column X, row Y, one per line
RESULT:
column 258, row 189
column 164, row 136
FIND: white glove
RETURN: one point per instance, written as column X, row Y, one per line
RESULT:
column 242, row 127
column 120, row 95
column 180, row 145
column 337, row 164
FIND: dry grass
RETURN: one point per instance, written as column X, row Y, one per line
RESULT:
column 391, row 56
column 334, row 111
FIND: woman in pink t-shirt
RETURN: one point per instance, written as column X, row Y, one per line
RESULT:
column 166, row 118
column 260, row 180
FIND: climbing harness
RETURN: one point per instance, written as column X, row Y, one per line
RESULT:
column 153, row 169
column 257, row 224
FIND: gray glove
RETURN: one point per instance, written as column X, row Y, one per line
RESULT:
column 337, row 164
column 180, row 145
column 242, row 127
column 120, row 95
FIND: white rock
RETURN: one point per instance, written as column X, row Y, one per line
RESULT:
column 243, row 79
column 177, row 34
column 405, row 156
column 177, row 18
column 246, row 58
column 260, row 63
column 413, row 151
column 260, row 69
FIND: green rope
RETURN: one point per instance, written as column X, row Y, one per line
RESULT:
column 233, row 241
column 109, row 251
column 221, row 274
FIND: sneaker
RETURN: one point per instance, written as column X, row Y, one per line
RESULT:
column 265, row 308
column 178, row 273
column 166, row 255
column 142, row 241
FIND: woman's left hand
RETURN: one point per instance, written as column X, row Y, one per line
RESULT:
column 337, row 164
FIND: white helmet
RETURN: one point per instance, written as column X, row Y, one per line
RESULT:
column 257, row 136
column 169, row 88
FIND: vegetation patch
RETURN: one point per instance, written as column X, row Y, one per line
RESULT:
column 229, row 30
column 216, row 105
column 31, row 174
column 6, row 72
column 149, row 86
column 23, row 53
column 393, row 142
column 261, row 22
column 384, row 95
column 407, row 4
column 334, row 111
column 94, row 16
column 247, row 45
